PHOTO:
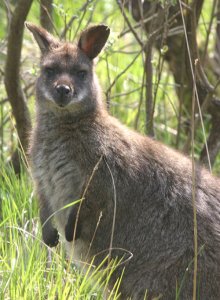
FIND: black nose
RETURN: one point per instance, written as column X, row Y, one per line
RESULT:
column 63, row 89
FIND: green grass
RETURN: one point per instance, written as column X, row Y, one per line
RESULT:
column 28, row 268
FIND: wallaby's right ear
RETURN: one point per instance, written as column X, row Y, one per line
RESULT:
column 45, row 40
column 93, row 39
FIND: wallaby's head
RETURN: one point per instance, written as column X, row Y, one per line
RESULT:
column 67, row 81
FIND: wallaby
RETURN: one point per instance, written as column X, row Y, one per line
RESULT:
column 137, row 193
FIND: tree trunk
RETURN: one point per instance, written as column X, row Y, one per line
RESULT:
column 14, row 90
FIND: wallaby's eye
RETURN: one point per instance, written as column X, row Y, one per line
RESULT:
column 81, row 74
column 49, row 71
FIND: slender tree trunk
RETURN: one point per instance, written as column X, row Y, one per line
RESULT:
column 14, row 90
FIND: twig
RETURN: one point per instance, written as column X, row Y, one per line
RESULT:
column 91, row 13
column 46, row 9
column 109, row 81
column 170, row 22
column 181, row 93
column 209, row 30
column 129, row 24
column 217, row 43
column 140, row 101
column 149, row 78
column 84, row 194
column 3, row 101
column 114, row 211
column 195, row 57
column 93, row 237
column 9, row 12
column 138, row 25
column 161, row 58
column 194, row 195
column 82, row 9
column 195, row 94
column 107, row 93
column 67, row 27
column 149, row 89
column 126, row 93
column 3, row 122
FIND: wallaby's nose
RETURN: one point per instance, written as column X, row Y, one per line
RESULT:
column 63, row 89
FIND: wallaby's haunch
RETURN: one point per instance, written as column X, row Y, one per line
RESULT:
column 153, row 184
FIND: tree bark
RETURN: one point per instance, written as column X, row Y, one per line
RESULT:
column 213, row 143
column 14, row 90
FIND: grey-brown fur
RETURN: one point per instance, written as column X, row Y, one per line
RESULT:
column 153, row 183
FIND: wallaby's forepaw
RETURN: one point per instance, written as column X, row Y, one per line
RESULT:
column 70, row 226
column 51, row 238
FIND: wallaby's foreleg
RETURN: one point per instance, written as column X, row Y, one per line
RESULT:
column 71, row 225
column 49, row 233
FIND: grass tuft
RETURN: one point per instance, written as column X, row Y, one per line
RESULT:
column 28, row 268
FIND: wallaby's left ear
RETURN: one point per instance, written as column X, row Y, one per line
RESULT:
column 45, row 40
column 93, row 39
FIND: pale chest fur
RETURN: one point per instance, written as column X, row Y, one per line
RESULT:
column 57, row 175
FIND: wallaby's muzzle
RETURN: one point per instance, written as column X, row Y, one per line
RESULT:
column 64, row 94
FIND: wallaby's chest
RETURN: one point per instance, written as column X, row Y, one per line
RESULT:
column 56, row 171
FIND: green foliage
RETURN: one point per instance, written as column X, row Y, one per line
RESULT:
column 28, row 269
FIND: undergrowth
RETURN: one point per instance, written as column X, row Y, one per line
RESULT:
column 28, row 268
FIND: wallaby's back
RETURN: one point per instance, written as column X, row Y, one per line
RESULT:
column 78, row 150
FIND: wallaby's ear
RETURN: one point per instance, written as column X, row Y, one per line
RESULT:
column 93, row 39
column 44, row 39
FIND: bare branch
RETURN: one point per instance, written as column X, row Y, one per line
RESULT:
column 129, row 24
column 46, row 9
column 213, row 143
column 108, row 91
column 149, row 88
column 209, row 29
column 217, row 44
